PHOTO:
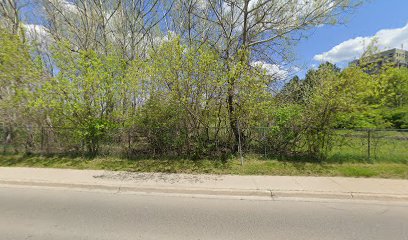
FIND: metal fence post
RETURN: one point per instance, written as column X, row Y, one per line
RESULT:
column 129, row 143
column 264, row 141
column 369, row 145
column 42, row 140
column 239, row 144
column 3, row 138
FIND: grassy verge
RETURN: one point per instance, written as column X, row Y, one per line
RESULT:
column 253, row 166
column 385, row 146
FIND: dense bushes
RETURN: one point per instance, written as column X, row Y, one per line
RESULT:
column 188, row 101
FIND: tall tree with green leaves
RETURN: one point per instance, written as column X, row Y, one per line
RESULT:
column 20, row 77
column 85, row 95
column 394, row 96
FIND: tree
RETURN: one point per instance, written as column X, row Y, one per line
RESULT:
column 10, row 15
column 292, row 91
column 332, row 96
column 191, row 74
column 85, row 95
column 363, row 91
column 394, row 96
column 125, row 26
column 183, row 88
column 244, row 30
column 20, row 76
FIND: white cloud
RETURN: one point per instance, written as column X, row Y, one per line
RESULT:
column 158, row 40
column 354, row 48
column 201, row 4
column 271, row 69
column 35, row 32
column 295, row 69
column 38, row 34
column 67, row 5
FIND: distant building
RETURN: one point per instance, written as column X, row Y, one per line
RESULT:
column 393, row 57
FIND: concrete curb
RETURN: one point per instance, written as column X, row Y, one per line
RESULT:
column 212, row 193
column 341, row 195
column 143, row 189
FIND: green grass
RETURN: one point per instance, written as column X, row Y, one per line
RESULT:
column 253, row 165
column 385, row 147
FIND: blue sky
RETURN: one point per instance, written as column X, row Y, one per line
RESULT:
column 370, row 18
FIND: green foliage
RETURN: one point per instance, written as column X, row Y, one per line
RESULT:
column 182, row 89
column 331, row 98
column 284, row 134
column 393, row 96
column 324, row 100
column 84, row 94
column 19, row 74
column 186, row 100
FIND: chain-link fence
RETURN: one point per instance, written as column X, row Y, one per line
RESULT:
column 129, row 142
column 371, row 145
column 366, row 145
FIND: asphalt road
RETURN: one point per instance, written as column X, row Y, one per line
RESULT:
column 56, row 214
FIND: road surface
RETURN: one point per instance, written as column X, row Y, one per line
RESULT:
column 27, row 213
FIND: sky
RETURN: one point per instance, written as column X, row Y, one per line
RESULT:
column 340, row 44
